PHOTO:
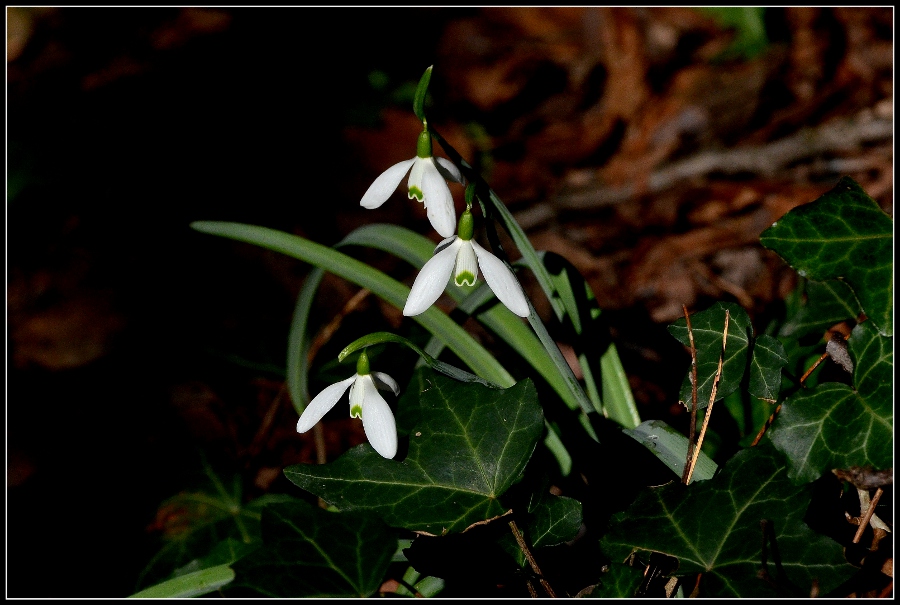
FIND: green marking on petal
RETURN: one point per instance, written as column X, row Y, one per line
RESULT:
column 416, row 193
column 356, row 411
column 465, row 278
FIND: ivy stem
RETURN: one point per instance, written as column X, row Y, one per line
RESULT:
column 531, row 560
column 712, row 400
column 867, row 516
column 814, row 366
column 685, row 476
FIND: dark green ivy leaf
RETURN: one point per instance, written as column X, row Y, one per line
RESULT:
column 556, row 519
column 311, row 552
column 827, row 303
column 714, row 528
column 842, row 235
column 708, row 327
column 836, row 426
column 469, row 445
column 619, row 581
column 765, row 367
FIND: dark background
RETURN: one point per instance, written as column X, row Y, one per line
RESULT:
column 135, row 343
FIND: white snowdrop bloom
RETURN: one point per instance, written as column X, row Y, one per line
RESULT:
column 365, row 402
column 426, row 184
column 460, row 257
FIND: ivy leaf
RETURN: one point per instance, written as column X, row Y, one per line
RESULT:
column 713, row 527
column 619, row 581
column 708, row 327
column 835, row 426
column 205, row 527
column 469, row 445
column 842, row 235
column 827, row 303
column 765, row 367
column 311, row 552
column 556, row 519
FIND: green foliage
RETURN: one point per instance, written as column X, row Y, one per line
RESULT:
column 708, row 328
column 671, row 447
column 714, row 528
column 842, row 235
column 470, row 444
column 838, row 426
column 205, row 528
column 341, row 554
column 618, row 581
column 470, row 469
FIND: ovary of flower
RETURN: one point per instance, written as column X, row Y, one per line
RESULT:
column 460, row 259
column 426, row 184
column 365, row 402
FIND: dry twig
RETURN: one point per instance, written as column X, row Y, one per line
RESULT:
column 712, row 400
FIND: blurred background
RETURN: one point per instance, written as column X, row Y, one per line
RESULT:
column 649, row 146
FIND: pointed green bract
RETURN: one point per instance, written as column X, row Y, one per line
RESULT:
column 311, row 552
column 421, row 92
column 714, row 528
column 836, row 426
column 469, row 444
column 842, row 235
column 708, row 327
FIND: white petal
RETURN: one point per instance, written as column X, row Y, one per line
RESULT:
column 502, row 281
column 321, row 403
column 378, row 422
column 386, row 183
column 438, row 201
column 383, row 381
column 414, row 184
column 432, row 280
column 466, row 267
column 449, row 170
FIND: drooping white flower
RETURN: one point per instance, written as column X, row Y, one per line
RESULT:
column 460, row 257
column 365, row 402
column 426, row 184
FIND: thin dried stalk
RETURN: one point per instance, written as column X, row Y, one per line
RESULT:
column 685, row 477
column 712, row 400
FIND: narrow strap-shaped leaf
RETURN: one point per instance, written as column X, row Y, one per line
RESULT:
column 297, row 370
column 458, row 340
column 193, row 584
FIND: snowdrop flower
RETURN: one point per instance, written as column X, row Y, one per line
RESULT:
column 460, row 257
column 426, row 184
column 365, row 402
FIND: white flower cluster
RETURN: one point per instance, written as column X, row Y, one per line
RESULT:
column 458, row 257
